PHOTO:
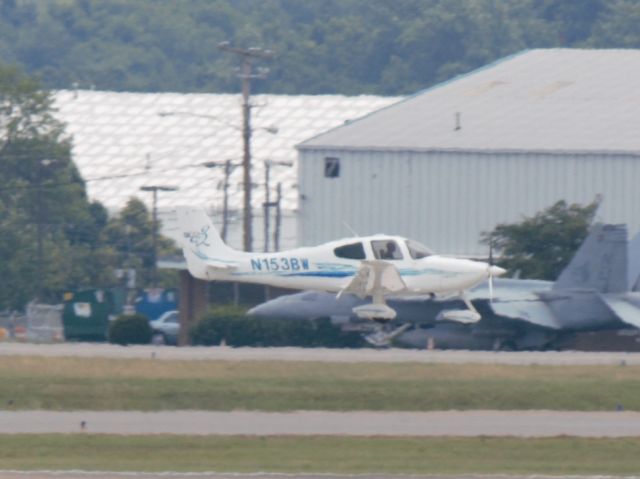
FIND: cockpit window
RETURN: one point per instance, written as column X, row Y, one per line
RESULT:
column 350, row 251
column 386, row 249
column 417, row 250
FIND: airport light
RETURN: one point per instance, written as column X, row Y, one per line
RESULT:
column 42, row 165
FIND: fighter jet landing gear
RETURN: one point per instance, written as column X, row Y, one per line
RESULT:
column 464, row 316
column 380, row 315
column 382, row 333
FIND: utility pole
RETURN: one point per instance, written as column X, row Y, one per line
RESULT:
column 40, row 205
column 271, row 204
column 266, row 205
column 228, row 168
column 276, row 233
column 154, row 228
column 40, row 233
column 248, row 55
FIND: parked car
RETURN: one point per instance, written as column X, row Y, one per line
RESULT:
column 166, row 328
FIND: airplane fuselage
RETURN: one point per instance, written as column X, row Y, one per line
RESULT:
column 373, row 266
column 318, row 268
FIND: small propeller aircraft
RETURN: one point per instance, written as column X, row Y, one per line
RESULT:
column 371, row 266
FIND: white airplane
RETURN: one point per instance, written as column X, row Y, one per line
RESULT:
column 377, row 266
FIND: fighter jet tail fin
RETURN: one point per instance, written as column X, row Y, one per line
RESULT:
column 600, row 264
column 634, row 263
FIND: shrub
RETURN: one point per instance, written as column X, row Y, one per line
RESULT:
column 238, row 330
column 215, row 325
column 130, row 329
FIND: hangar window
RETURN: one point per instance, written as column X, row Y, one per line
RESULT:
column 350, row 251
column 331, row 167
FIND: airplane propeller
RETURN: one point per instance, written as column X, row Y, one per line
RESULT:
column 490, row 269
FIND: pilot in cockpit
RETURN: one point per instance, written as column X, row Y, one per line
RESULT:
column 390, row 252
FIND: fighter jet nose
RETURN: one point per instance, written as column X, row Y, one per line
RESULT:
column 496, row 270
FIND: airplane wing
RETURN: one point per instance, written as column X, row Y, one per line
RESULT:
column 526, row 306
column 626, row 311
column 375, row 278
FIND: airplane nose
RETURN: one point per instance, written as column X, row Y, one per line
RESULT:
column 496, row 270
column 266, row 310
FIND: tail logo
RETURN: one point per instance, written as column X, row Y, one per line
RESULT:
column 199, row 238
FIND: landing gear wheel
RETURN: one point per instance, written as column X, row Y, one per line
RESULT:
column 503, row 345
column 383, row 334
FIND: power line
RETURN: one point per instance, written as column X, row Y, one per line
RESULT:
column 102, row 178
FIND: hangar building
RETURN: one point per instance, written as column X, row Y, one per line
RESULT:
column 485, row 148
column 125, row 141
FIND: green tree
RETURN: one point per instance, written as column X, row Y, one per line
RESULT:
column 322, row 46
column 130, row 233
column 572, row 20
column 542, row 245
column 48, row 230
column 618, row 27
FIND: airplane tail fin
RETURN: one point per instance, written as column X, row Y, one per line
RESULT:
column 634, row 263
column 206, row 254
column 600, row 263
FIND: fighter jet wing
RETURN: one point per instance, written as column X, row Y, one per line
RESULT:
column 375, row 278
column 525, row 306
column 626, row 311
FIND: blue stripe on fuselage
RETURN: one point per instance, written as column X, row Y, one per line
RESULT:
column 341, row 271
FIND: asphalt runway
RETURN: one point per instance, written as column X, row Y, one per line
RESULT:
column 318, row 354
column 306, row 423
column 217, row 475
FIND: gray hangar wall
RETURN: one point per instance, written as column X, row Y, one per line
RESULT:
column 446, row 199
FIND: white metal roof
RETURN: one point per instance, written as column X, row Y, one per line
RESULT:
column 121, row 142
column 538, row 100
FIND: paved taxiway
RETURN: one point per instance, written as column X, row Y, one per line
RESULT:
column 304, row 423
column 317, row 354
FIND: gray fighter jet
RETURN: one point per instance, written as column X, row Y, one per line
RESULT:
column 591, row 294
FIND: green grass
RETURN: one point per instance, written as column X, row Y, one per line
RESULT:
column 320, row 454
column 114, row 384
